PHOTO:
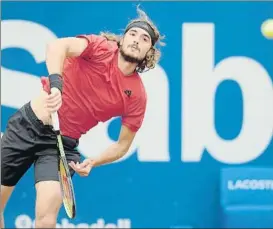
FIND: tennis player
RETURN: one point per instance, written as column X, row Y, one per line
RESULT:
column 93, row 78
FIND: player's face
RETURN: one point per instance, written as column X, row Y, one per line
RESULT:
column 135, row 45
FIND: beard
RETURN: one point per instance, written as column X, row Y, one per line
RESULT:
column 129, row 58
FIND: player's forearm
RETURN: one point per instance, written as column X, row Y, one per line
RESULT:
column 55, row 56
column 113, row 153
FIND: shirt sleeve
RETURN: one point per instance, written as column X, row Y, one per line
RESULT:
column 135, row 115
column 93, row 42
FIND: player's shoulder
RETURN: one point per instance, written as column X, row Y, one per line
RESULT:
column 98, row 40
column 99, row 49
column 140, row 89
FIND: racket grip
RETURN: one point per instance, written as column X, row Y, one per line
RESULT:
column 55, row 121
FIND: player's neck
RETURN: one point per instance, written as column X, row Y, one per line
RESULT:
column 126, row 67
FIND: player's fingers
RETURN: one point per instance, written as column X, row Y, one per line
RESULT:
column 83, row 164
column 83, row 171
column 54, row 99
column 45, row 101
column 59, row 106
column 77, row 168
column 54, row 104
column 86, row 171
column 80, row 170
column 54, row 108
column 54, row 95
column 73, row 167
column 80, row 173
column 72, row 164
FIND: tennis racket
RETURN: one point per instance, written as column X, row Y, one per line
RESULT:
column 67, row 188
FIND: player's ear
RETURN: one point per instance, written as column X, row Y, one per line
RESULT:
column 150, row 52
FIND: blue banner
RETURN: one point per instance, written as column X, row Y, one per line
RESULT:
column 247, row 186
column 246, row 197
column 209, row 105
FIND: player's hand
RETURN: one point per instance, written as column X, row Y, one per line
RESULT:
column 84, row 168
column 53, row 100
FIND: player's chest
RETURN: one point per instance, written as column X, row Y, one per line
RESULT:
column 119, row 95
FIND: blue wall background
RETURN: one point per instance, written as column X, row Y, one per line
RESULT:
column 149, row 194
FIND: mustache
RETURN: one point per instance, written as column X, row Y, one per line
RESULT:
column 134, row 46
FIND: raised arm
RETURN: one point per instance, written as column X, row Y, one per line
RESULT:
column 61, row 48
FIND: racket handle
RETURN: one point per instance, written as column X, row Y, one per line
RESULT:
column 55, row 121
column 54, row 116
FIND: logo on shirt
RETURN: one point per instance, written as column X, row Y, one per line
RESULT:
column 128, row 93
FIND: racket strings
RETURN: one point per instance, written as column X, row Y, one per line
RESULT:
column 66, row 189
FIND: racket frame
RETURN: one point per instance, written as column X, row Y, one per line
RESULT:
column 62, row 159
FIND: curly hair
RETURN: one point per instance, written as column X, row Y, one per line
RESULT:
column 154, row 54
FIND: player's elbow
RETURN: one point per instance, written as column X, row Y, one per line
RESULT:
column 57, row 46
column 124, row 147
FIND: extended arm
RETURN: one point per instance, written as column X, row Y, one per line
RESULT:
column 112, row 153
column 118, row 149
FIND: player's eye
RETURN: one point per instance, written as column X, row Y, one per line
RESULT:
column 146, row 39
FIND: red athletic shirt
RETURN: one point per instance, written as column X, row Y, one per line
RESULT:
column 95, row 90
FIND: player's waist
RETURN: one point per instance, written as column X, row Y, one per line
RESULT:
column 35, row 121
column 71, row 140
column 75, row 130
